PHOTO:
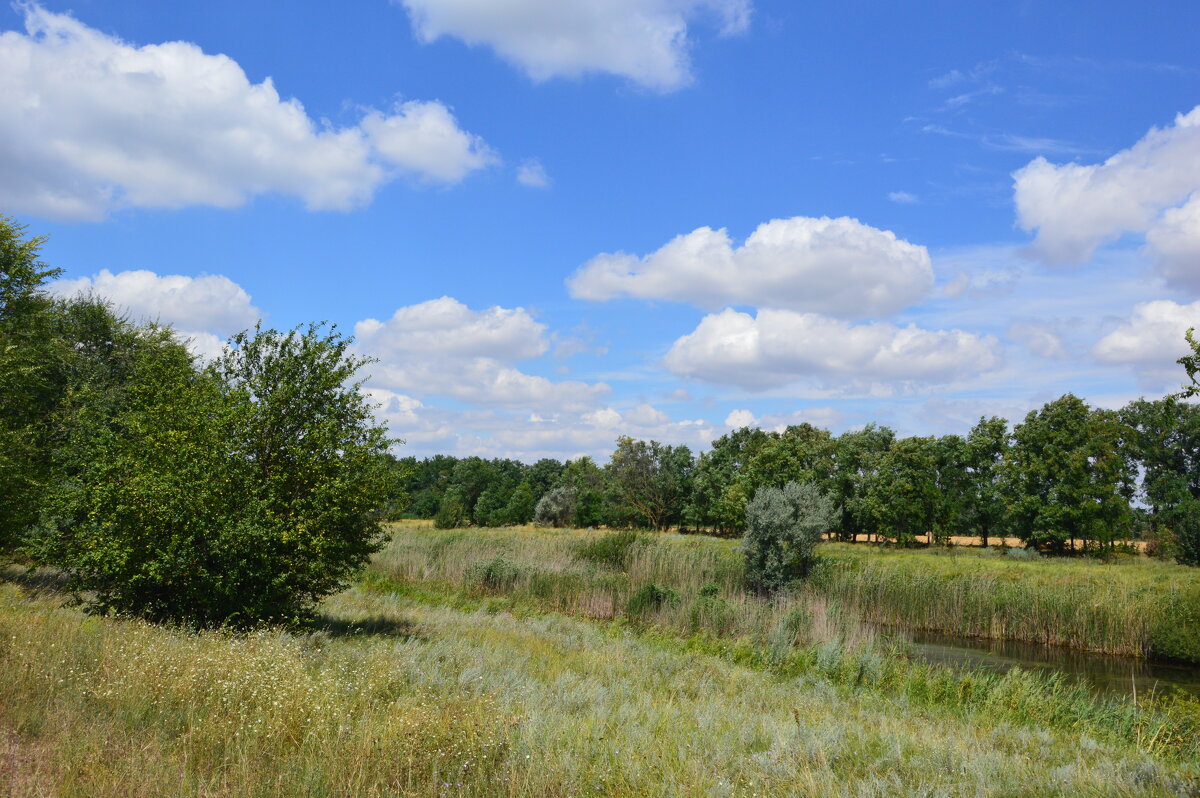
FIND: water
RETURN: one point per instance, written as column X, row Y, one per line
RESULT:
column 1106, row 674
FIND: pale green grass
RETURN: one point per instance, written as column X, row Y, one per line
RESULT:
column 486, row 704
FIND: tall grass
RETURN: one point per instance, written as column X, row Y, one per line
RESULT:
column 795, row 633
column 92, row 707
column 1133, row 606
column 1124, row 607
column 441, row 701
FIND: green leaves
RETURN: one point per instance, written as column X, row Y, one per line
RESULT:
column 236, row 494
column 783, row 525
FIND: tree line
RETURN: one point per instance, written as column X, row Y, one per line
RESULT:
column 1068, row 477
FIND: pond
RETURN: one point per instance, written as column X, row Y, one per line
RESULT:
column 1105, row 674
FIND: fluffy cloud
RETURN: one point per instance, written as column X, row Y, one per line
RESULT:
column 1075, row 207
column 779, row 347
column 1174, row 244
column 209, row 302
column 447, row 327
column 442, row 347
column 643, row 40
column 1151, row 340
column 89, row 123
column 204, row 310
column 838, row 267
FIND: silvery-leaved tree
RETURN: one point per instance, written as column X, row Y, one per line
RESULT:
column 783, row 526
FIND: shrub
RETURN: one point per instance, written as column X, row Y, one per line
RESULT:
column 1176, row 631
column 230, row 496
column 611, row 550
column 1185, row 520
column 495, row 574
column 648, row 598
column 783, row 526
column 557, row 507
column 451, row 513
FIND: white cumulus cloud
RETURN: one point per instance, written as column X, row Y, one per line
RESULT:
column 203, row 310
column 1075, row 208
column 1174, row 245
column 209, row 302
column 643, row 40
column 780, row 347
column 442, row 347
column 90, row 123
column 1151, row 340
column 838, row 267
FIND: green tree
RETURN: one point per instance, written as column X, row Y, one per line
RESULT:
column 987, row 445
column 589, row 483
column 1066, row 478
column 236, row 494
column 29, row 351
column 857, row 454
column 521, row 503
column 901, row 492
column 1191, row 364
column 1165, row 444
column 720, row 489
column 783, row 526
column 653, row 480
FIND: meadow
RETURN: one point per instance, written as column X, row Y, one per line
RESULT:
column 1127, row 604
column 530, row 662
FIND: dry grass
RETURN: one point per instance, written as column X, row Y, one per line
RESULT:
column 488, row 704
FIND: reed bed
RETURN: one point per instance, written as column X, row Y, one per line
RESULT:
column 596, row 575
column 1131, row 606
column 396, row 698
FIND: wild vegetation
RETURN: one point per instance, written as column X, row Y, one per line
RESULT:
column 229, row 493
column 1134, row 606
column 438, row 694
column 204, row 516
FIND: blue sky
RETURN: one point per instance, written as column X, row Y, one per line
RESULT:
column 555, row 223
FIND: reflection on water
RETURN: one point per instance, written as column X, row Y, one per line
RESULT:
column 1105, row 673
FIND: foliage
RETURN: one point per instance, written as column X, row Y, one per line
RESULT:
column 557, row 507
column 28, row 353
column 984, row 510
column 1191, row 364
column 1165, row 443
column 1065, row 478
column 902, row 493
column 857, row 454
column 649, row 598
column 1184, row 520
column 234, row 495
column 719, row 497
column 783, row 526
column 452, row 512
column 652, row 479
column 611, row 549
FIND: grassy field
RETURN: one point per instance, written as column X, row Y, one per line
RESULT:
column 396, row 697
column 1129, row 605
column 538, row 663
